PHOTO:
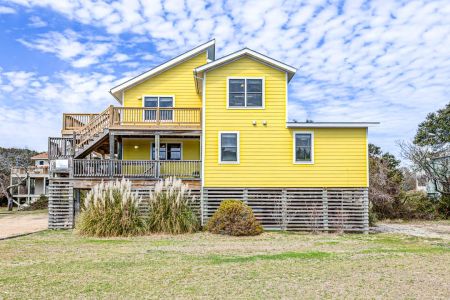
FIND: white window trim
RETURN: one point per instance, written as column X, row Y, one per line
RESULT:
column 167, row 142
column 311, row 162
column 245, row 93
column 159, row 96
column 237, row 150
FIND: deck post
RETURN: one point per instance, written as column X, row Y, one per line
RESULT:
column 157, row 157
column 111, row 154
column 325, row 209
column 284, row 217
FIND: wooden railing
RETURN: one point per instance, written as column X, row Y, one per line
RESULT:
column 32, row 170
column 157, row 117
column 188, row 169
column 76, row 121
column 60, row 147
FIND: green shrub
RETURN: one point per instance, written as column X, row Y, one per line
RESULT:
column 170, row 208
column 40, row 203
column 233, row 217
column 109, row 210
column 443, row 206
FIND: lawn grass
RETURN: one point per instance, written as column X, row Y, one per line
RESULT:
column 5, row 212
column 61, row 264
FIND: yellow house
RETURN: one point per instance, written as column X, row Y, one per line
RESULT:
column 222, row 126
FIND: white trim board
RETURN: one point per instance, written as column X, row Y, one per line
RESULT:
column 237, row 149
column 115, row 91
column 245, row 93
column 311, row 162
column 331, row 124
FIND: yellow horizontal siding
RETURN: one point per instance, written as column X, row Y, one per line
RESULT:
column 266, row 152
column 177, row 81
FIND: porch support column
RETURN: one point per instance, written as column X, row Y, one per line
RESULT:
column 111, row 154
column 157, row 144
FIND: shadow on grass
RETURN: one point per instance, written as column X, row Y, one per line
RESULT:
column 218, row 259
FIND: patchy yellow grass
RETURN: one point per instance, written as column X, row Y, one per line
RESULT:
column 61, row 264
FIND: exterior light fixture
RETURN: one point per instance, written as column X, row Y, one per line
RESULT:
column 254, row 123
column 264, row 122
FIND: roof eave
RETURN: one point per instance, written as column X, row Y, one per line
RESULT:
column 331, row 124
column 161, row 68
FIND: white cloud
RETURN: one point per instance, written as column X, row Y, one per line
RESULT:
column 373, row 61
column 7, row 10
column 80, row 51
column 37, row 22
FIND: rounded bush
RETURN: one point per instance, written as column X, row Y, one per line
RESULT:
column 233, row 217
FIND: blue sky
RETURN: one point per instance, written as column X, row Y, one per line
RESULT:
column 386, row 61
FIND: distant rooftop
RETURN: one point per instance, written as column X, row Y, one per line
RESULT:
column 43, row 155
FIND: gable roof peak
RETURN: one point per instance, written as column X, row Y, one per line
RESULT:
column 117, row 90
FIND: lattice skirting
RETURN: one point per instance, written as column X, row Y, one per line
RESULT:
column 60, row 204
column 302, row 209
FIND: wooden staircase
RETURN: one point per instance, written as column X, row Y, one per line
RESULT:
column 94, row 132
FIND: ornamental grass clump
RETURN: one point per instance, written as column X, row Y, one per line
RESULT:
column 234, row 217
column 110, row 210
column 170, row 208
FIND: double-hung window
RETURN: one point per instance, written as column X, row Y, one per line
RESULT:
column 245, row 93
column 304, row 147
column 151, row 103
column 229, row 147
column 168, row 151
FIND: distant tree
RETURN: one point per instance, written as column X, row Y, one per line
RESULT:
column 19, row 159
column 385, row 181
column 435, row 130
column 434, row 164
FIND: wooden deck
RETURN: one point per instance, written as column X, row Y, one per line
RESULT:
column 141, row 118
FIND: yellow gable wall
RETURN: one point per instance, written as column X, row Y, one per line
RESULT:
column 266, row 152
column 177, row 81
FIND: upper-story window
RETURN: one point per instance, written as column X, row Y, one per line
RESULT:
column 303, row 147
column 245, row 93
column 153, row 102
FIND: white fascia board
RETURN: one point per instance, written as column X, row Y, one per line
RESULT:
column 162, row 67
column 254, row 54
column 332, row 124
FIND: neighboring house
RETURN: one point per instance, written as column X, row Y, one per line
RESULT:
column 37, row 182
column 221, row 126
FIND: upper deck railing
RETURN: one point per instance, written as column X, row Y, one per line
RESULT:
column 75, row 121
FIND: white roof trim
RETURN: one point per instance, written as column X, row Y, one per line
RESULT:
column 331, row 124
column 161, row 67
column 246, row 51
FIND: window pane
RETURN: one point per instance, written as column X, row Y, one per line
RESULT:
column 237, row 100
column 303, row 154
column 229, row 154
column 229, row 140
column 150, row 114
column 254, row 100
column 254, row 85
column 162, row 151
column 236, row 85
column 166, row 115
column 165, row 102
column 174, row 151
column 228, row 147
column 151, row 102
column 303, row 140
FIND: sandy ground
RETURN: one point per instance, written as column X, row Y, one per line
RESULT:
column 12, row 225
column 420, row 229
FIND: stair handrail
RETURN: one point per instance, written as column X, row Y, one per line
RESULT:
column 98, row 124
